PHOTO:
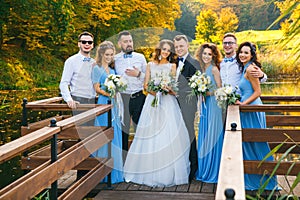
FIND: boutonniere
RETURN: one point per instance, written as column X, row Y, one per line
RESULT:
column 181, row 69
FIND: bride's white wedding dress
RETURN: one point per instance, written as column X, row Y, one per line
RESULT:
column 159, row 154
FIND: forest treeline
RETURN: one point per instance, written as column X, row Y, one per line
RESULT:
column 38, row 35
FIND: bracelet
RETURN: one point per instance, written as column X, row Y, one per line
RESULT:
column 139, row 74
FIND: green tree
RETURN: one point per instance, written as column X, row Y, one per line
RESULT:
column 60, row 24
column 228, row 21
column 4, row 10
column 291, row 26
column 207, row 26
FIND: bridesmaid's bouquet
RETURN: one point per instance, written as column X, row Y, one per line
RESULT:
column 226, row 95
column 159, row 84
column 200, row 84
column 115, row 83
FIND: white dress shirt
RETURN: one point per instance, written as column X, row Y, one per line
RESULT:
column 77, row 75
column 230, row 73
column 180, row 66
column 134, row 84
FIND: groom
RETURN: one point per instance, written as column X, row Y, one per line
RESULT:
column 186, row 68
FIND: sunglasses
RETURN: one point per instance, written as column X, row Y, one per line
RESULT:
column 84, row 42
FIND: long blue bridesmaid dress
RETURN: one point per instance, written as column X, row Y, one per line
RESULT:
column 210, row 137
column 98, row 76
column 254, row 150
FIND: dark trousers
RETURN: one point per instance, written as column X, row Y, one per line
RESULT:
column 188, row 110
column 133, row 105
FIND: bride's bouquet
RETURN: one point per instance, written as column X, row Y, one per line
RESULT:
column 159, row 84
column 115, row 83
column 226, row 95
column 200, row 84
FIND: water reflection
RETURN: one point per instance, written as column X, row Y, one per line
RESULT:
column 11, row 115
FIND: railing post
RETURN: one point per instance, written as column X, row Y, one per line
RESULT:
column 233, row 126
column 109, row 125
column 54, row 187
column 24, row 113
column 229, row 194
column 24, row 119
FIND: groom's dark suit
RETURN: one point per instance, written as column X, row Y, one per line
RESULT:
column 188, row 106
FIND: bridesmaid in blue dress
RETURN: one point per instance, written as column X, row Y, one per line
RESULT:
column 250, row 95
column 211, row 131
column 104, row 67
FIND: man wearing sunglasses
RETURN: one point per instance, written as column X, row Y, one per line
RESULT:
column 76, row 84
column 229, row 69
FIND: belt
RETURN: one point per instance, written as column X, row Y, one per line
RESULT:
column 84, row 100
column 135, row 95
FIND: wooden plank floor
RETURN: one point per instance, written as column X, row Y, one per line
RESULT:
column 195, row 190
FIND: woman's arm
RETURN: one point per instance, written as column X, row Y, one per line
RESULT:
column 255, row 85
column 147, row 78
column 99, row 90
column 217, row 78
column 173, row 74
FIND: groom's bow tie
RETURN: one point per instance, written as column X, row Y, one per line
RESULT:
column 180, row 59
column 228, row 59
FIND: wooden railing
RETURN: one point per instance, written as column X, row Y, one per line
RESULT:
column 47, row 167
column 232, row 167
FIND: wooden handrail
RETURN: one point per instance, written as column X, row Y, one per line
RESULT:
column 270, row 108
column 232, row 158
column 15, row 147
column 270, row 135
column 46, row 101
column 280, row 98
column 21, row 144
column 59, row 107
column 58, row 168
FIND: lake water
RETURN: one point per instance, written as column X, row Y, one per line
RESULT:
column 11, row 109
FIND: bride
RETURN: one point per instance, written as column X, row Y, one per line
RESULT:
column 159, row 154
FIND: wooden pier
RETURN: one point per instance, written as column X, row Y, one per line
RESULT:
column 66, row 146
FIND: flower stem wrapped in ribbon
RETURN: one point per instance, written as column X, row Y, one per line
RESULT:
column 226, row 95
column 114, row 84
column 159, row 84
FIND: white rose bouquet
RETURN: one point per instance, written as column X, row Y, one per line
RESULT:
column 200, row 84
column 159, row 84
column 226, row 95
column 115, row 83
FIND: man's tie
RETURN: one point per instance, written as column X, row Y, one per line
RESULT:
column 86, row 59
column 180, row 59
column 127, row 55
column 228, row 59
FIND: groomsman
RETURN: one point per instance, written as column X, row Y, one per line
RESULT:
column 229, row 68
column 132, row 66
column 186, row 68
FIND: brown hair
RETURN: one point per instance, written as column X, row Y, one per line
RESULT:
column 216, row 54
column 123, row 33
column 157, row 51
column 101, row 50
column 253, row 54
column 229, row 35
column 179, row 37
column 85, row 33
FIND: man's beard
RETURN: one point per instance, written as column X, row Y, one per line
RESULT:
column 128, row 50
